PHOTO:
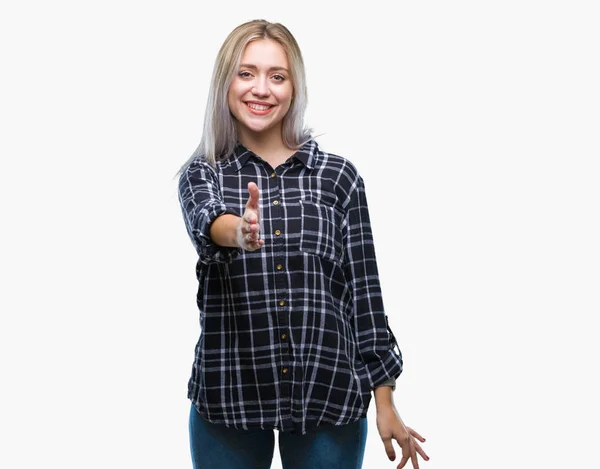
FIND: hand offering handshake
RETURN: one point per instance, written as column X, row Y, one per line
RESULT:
column 248, row 230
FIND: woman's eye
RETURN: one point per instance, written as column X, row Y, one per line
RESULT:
column 248, row 75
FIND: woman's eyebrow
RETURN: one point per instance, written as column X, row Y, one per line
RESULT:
column 270, row 69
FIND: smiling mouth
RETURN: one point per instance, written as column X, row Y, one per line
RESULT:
column 258, row 107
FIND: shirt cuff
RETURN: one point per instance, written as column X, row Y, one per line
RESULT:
column 208, row 251
column 390, row 382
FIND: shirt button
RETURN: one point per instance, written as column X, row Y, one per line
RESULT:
column 279, row 267
column 285, row 370
column 284, row 336
column 277, row 232
column 272, row 175
column 276, row 202
column 281, row 303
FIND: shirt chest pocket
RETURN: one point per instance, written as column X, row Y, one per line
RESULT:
column 320, row 232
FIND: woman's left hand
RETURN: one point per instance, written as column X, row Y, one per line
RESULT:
column 391, row 426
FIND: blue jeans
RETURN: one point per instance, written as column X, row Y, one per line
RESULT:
column 327, row 447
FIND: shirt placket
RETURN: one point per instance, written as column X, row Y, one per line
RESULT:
column 283, row 299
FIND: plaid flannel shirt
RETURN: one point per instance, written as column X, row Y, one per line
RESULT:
column 293, row 335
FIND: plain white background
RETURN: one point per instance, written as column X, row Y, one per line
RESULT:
column 475, row 127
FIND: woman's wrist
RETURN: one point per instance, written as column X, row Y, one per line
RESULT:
column 224, row 230
column 383, row 397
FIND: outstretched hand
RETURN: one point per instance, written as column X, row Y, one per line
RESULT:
column 248, row 232
column 391, row 426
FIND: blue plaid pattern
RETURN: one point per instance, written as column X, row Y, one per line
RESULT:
column 293, row 335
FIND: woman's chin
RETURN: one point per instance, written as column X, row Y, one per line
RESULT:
column 258, row 129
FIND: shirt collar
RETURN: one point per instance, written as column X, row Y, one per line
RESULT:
column 306, row 154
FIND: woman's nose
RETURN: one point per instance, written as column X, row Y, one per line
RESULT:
column 261, row 88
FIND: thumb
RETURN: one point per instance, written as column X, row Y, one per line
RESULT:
column 254, row 194
column 389, row 449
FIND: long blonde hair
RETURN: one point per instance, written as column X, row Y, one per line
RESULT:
column 220, row 135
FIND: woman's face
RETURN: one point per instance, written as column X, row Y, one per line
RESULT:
column 261, row 91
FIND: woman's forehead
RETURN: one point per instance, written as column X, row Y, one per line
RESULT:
column 264, row 54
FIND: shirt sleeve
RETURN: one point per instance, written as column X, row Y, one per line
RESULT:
column 390, row 382
column 375, row 340
column 202, row 202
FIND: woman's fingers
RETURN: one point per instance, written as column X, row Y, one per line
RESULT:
column 250, row 230
column 254, row 195
column 415, row 434
column 389, row 449
column 413, row 457
column 246, row 228
column 410, row 449
column 248, row 234
column 404, row 443
column 403, row 462
column 254, row 245
column 250, row 237
column 250, row 225
column 420, row 451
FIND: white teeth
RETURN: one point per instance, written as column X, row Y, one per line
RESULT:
column 258, row 107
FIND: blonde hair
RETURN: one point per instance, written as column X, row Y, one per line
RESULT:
column 219, row 136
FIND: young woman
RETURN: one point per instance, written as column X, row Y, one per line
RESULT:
column 293, row 332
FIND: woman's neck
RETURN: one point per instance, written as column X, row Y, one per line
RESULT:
column 270, row 148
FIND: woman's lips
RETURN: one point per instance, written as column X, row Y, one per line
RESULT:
column 259, row 112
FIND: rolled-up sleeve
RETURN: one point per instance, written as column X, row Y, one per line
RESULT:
column 201, row 203
column 377, row 345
